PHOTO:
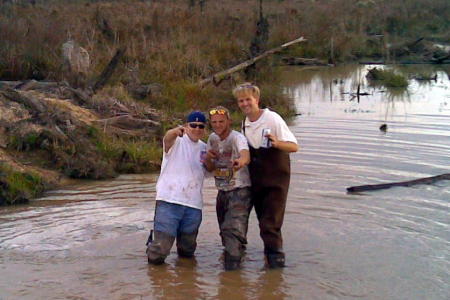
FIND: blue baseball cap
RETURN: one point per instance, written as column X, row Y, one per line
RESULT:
column 196, row 116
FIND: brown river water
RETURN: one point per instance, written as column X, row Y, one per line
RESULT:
column 87, row 241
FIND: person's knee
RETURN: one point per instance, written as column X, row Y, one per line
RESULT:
column 268, row 227
column 159, row 248
column 186, row 244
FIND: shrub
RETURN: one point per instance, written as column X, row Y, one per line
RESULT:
column 387, row 78
column 18, row 187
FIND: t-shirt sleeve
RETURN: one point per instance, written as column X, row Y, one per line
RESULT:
column 283, row 132
column 175, row 144
column 241, row 142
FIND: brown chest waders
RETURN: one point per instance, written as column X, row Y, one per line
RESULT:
column 270, row 171
column 270, row 174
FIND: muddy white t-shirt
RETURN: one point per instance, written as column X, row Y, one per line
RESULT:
column 228, row 150
column 182, row 173
column 273, row 121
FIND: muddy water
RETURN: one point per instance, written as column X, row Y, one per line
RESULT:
column 87, row 241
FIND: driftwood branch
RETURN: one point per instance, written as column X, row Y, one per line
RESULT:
column 35, row 105
column 373, row 187
column 28, row 85
column 220, row 75
column 127, row 122
column 440, row 60
column 300, row 61
column 109, row 70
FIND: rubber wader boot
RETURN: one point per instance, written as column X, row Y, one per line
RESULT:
column 186, row 244
column 275, row 260
column 232, row 262
column 159, row 248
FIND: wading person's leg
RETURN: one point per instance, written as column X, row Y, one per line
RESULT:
column 167, row 218
column 233, row 209
column 270, row 204
column 187, row 232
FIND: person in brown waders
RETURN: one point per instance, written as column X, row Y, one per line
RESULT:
column 227, row 157
column 270, row 142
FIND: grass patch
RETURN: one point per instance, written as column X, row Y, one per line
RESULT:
column 18, row 187
column 387, row 78
column 130, row 155
column 28, row 142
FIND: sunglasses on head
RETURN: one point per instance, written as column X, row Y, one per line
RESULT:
column 217, row 112
column 245, row 86
column 193, row 125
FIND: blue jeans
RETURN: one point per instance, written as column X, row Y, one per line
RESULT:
column 176, row 219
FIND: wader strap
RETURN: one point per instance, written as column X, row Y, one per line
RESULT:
column 269, row 167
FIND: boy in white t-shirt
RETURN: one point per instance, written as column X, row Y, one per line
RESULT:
column 179, row 201
column 269, row 168
column 227, row 158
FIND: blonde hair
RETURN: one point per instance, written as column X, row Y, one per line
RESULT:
column 245, row 89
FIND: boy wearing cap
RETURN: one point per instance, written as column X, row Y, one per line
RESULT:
column 227, row 158
column 179, row 191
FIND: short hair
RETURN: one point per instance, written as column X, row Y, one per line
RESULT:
column 219, row 109
column 246, row 88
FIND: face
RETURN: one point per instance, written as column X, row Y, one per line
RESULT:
column 196, row 133
column 248, row 103
column 220, row 124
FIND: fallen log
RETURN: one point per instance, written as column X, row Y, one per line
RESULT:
column 27, row 85
column 220, row 75
column 83, row 97
column 440, row 60
column 9, row 84
column 373, row 187
column 33, row 104
column 300, row 61
column 425, row 77
column 128, row 122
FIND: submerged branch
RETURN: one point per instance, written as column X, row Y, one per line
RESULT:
column 373, row 187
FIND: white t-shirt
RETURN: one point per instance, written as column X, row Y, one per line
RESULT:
column 182, row 173
column 273, row 121
column 228, row 150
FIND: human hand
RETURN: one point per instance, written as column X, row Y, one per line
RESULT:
column 179, row 131
column 208, row 161
column 238, row 163
column 211, row 154
column 273, row 139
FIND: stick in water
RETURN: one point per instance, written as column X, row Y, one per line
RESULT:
column 373, row 187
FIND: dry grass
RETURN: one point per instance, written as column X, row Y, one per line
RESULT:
column 169, row 43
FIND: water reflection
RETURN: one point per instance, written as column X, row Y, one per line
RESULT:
column 269, row 284
column 233, row 285
column 326, row 91
column 171, row 281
